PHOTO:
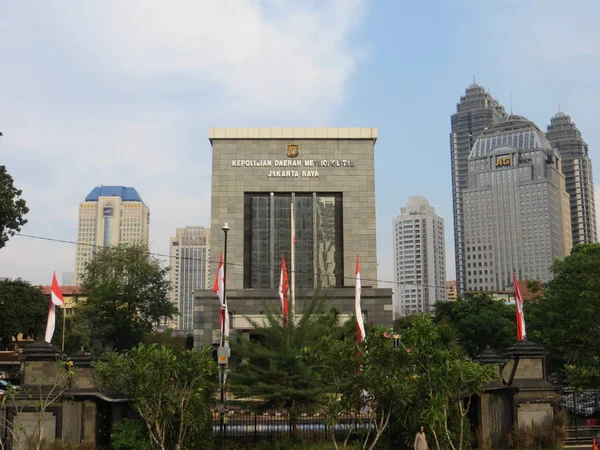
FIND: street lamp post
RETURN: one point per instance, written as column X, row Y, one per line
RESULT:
column 224, row 351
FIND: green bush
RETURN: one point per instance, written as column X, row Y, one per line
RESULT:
column 130, row 435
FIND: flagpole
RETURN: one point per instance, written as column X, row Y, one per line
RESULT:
column 64, row 309
column 293, row 257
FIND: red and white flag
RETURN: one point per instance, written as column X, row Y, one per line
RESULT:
column 360, row 326
column 521, row 333
column 283, row 290
column 56, row 299
column 218, row 289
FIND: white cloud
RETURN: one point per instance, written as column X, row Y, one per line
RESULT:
column 283, row 55
column 124, row 93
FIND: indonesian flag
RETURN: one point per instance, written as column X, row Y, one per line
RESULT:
column 224, row 316
column 360, row 326
column 283, row 290
column 521, row 334
column 56, row 299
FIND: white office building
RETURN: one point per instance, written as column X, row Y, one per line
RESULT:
column 109, row 216
column 190, row 270
column 419, row 258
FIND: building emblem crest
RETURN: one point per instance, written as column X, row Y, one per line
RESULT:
column 292, row 150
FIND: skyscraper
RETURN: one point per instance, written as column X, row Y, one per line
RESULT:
column 419, row 258
column 515, row 208
column 110, row 215
column 577, row 167
column 476, row 111
column 190, row 255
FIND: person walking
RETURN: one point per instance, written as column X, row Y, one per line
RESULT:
column 421, row 440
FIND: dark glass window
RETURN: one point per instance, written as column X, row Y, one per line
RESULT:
column 319, row 239
column 260, row 239
column 303, row 217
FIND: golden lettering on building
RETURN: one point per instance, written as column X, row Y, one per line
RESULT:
column 502, row 161
column 311, row 164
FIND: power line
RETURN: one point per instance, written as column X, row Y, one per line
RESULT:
column 162, row 255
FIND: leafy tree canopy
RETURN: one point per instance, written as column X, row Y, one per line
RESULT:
column 126, row 295
column 565, row 320
column 170, row 389
column 77, row 332
column 480, row 322
column 12, row 207
column 23, row 310
column 443, row 378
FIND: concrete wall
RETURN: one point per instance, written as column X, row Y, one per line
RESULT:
column 529, row 413
column 376, row 304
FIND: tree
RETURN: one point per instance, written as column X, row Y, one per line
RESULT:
column 12, row 207
column 565, row 320
column 445, row 381
column 167, row 339
column 126, row 295
column 276, row 368
column 170, row 389
column 585, row 377
column 77, row 332
column 24, row 310
column 480, row 322
column 370, row 376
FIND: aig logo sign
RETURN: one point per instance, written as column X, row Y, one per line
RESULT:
column 502, row 161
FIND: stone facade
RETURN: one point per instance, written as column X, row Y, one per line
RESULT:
column 519, row 397
column 246, row 305
column 75, row 416
column 323, row 161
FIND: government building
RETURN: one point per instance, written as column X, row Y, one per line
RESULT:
column 327, row 174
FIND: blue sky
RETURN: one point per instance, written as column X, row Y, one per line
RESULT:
column 110, row 92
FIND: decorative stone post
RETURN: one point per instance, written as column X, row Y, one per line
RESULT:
column 525, row 373
column 39, row 363
column 488, row 401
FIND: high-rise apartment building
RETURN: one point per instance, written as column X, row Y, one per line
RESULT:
column 476, row 111
column 190, row 255
column 451, row 293
column 419, row 258
column 109, row 216
column 515, row 209
column 577, row 167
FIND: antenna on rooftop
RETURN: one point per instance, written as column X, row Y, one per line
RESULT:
column 473, row 78
column 511, row 109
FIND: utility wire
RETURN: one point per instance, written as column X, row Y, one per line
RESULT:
column 162, row 255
